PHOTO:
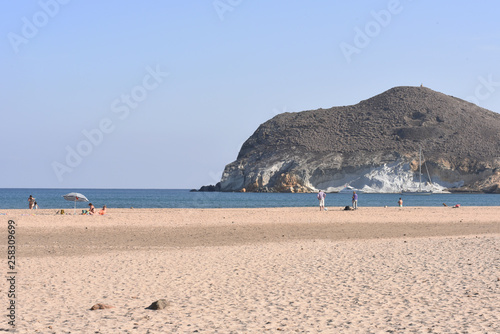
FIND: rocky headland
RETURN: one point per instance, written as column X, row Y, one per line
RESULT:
column 373, row 146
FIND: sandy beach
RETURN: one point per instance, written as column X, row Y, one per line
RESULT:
column 374, row 270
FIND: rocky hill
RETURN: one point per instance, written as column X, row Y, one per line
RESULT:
column 373, row 146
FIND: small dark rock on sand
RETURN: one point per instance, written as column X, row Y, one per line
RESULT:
column 158, row 305
column 100, row 307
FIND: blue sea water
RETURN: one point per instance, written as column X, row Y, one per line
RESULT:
column 183, row 198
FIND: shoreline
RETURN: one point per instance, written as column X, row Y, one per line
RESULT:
column 48, row 234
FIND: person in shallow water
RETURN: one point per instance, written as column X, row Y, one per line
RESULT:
column 31, row 202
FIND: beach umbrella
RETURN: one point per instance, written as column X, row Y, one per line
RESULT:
column 75, row 197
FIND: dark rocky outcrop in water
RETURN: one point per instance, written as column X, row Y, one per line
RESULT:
column 210, row 188
column 373, row 145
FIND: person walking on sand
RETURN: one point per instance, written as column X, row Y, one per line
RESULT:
column 400, row 202
column 354, row 200
column 321, row 198
column 31, row 202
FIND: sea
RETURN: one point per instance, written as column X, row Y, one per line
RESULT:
column 14, row 198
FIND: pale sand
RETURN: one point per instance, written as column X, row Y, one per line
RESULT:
column 375, row 270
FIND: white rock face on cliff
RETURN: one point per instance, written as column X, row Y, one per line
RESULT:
column 331, row 176
column 388, row 178
column 373, row 146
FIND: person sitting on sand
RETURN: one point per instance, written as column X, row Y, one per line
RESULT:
column 400, row 202
column 91, row 209
column 103, row 211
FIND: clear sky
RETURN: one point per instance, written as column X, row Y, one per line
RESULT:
column 162, row 94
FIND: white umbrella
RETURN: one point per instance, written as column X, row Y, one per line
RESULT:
column 76, row 197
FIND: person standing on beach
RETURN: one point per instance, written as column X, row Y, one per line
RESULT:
column 400, row 202
column 31, row 202
column 321, row 198
column 354, row 200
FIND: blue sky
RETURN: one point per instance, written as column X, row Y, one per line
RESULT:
column 162, row 94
